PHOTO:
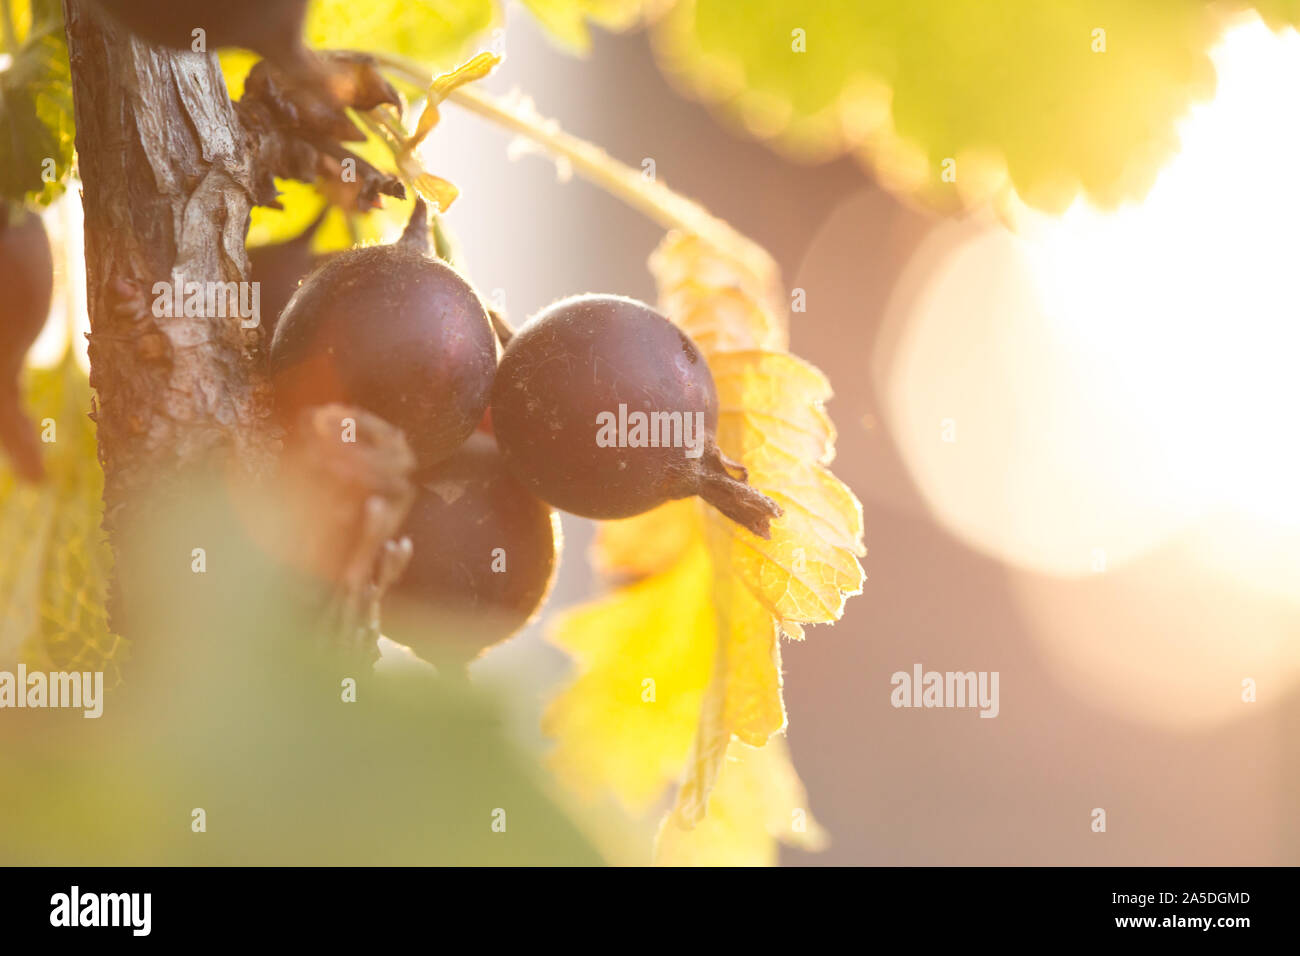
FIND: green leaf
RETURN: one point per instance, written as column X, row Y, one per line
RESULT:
column 36, row 117
column 1018, row 92
column 54, row 561
column 431, row 32
column 566, row 20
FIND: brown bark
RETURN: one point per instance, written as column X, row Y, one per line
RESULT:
column 183, row 406
column 167, row 191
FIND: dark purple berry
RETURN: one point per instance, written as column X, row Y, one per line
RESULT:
column 394, row 331
column 484, row 558
column 606, row 409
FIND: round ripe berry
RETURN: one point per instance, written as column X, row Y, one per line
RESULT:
column 606, row 409
column 394, row 331
column 484, row 558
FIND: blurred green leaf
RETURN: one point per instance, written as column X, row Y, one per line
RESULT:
column 1020, row 92
column 54, row 561
column 417, row 777
column 566, row 20
column 433, row 32
column 234, row 705
column 36, row 117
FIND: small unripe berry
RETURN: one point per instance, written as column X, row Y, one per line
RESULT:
column 606, row 409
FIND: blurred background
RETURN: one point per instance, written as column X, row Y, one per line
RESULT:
column 1075, row 442
column 1115, row 527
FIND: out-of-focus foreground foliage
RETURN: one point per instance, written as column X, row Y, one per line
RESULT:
column 950, row 103
column 236, row 718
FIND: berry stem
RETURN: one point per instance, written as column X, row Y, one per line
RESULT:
column 738, row 501
column 503, row 329
column 416, row 234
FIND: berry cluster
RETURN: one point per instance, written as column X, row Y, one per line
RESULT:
column 599, row 406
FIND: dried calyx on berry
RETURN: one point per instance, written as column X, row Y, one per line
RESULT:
column 606, row 409
column 27, row 278
column 484, row 558
column 395, row 331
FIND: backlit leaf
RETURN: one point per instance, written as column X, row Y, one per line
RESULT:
column 431, row 32
column 613, row 729
column 567, row 20
column 709, row 600
column 759, row 800
column 1048, row 98
column 647, row 543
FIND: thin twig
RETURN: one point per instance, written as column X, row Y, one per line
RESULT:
column 648, row 196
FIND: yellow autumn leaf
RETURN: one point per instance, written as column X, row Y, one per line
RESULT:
column 747, row 669
column 759, row 800
column 772, row 420
column 475, row 68
column 614, row 730
column 711, row 599
column 635, row 547
column 722, row 303
column 438, row 192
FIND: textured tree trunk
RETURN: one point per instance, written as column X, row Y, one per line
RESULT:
column 167, row 194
